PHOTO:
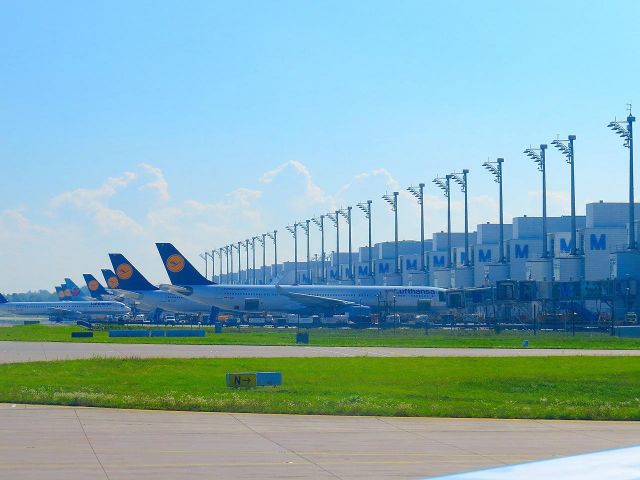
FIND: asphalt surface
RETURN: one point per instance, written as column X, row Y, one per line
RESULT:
column 33, row 351
column 66, row 443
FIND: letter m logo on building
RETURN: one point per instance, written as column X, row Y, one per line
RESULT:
column 596, row 243
column 484, row 255
column 522, row 251
column 564, row 246
column 411, row 264
column 363, row 270
column 383, row 268
column 438, row 262
column 333, row 274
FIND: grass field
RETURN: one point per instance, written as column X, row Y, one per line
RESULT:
column 552, row 387
column 338, row 337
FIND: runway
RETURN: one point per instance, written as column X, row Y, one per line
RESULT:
column 66, row 443
column 11, row 351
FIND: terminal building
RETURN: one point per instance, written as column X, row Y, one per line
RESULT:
column 601, row 255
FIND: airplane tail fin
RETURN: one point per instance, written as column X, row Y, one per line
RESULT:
column 128, row 276
column 110, row 277
column 179, row 269
column 59, row 293
column 3, row 299
column 76, row 293
column 66, row 291
column 96, row 290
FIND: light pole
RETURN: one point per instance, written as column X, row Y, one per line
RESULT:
column 213, row 265
column 253, row 254
column 274, row 236
column 305, row 227
column 566, row 148
column 226, row 250
column 627, row 134
column 366, row 208
column 205, row 257
column 347, row 216
column 461, row 179
column 444, row 183
column 293, row 229
column 495, row 168
column 220, row 264
column 239, row 263
column 540, row 159
column 232, row 279
column 392, row 200
column 263, row 241
column 320, row 223
column 418, row 192
column 335, row 218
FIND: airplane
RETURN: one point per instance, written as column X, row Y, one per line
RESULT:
column 357, row 301
column 130, row 283
column 70, row 309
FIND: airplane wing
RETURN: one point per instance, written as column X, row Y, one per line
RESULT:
column 125, row 294
column 314, row 300
column 177, row 289
column 62, row 311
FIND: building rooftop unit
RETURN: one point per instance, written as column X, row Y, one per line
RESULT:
column 531, row 227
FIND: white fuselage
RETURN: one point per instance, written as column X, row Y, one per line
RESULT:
column 275, row 299
column 71, row 307
column 152, row 299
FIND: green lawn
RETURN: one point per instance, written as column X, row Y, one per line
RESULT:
column 524, row 387
column 338, row 337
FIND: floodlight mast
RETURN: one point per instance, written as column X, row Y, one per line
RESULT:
column 444, row 183
column 320, row 223
column 246, row 249
column 253, row 254
column 346, row 214
column 495, row 168
column 335, row 218
column 392, row 200
column 461, row 179
column 566, row 148
column 205, row 257
column 366, row 208
column 232, row 279
column 305, row 227
column 239, row 263
column 627, row 134
column 220, row 265
column 293, row 229
column 540, row 159
column 418, row 192
column 263, row 241
column 226, row 250
column 274, row 236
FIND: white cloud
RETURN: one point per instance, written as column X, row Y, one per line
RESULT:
column 93, row 203
column 159, row 182
column 313, row 192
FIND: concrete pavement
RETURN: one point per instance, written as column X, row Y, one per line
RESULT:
column 40, row 442
column 32, row 351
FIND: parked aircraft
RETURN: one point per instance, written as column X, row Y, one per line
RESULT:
column 71, row 310
column 326, row 299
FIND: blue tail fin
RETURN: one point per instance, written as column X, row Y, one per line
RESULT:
column 128, row 276
column 59, row 293
column 76, row 293
column 2, row 299
column 110, row 278
column 180, row 271
column 66, row 291
column 96, row 290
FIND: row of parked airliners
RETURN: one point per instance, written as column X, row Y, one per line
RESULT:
column 191, row 293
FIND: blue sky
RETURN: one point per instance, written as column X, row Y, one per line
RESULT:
column 125, row 123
